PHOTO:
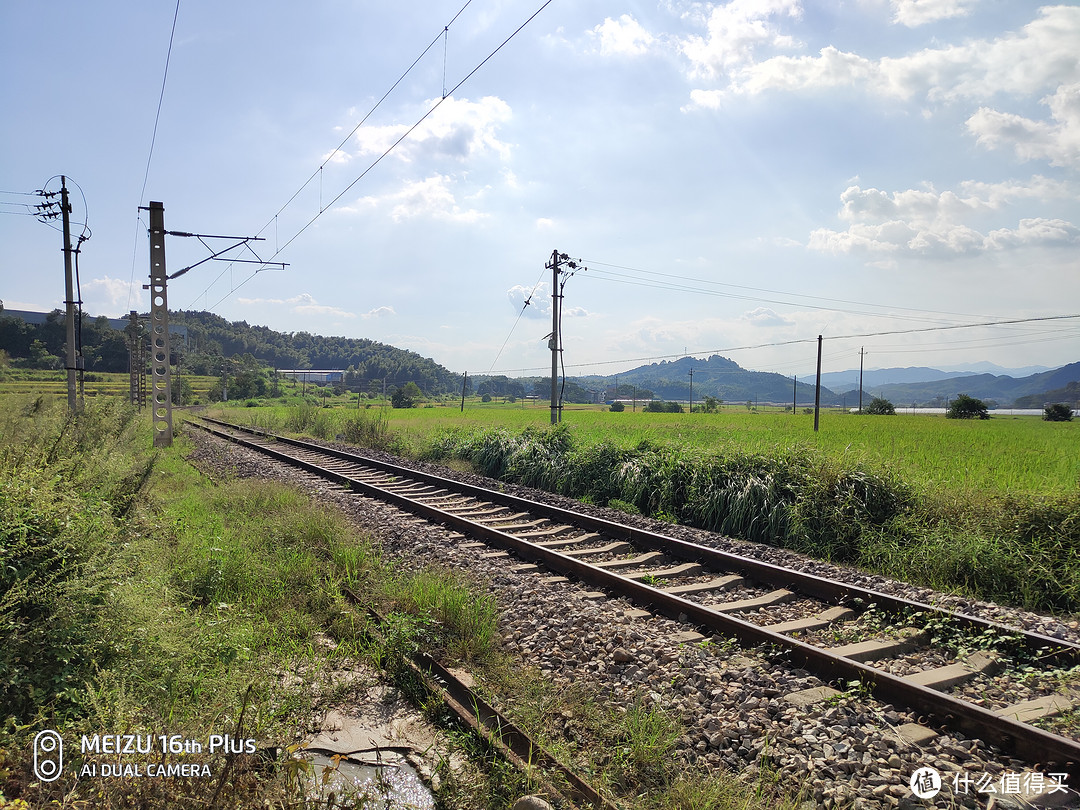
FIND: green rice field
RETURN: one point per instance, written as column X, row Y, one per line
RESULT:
column 985, row 508
column 1005, row 454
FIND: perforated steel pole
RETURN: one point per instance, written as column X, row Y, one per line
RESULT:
column 161, row 382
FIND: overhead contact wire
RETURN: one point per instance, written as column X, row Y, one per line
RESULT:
column 395, row 144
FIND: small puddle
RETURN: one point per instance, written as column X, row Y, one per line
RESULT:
column 392, row 784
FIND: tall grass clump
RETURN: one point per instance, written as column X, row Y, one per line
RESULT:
column 66, row 482
column 1017, row 547
column 367, row 429
column 461, row 620
column 300, row 418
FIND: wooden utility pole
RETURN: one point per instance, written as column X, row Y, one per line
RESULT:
column 553, row 344
column 861, row 352
column 817, row 387
column 69, row 287
column 691, row 410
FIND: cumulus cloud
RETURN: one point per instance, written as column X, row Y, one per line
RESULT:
column 913, row 13
column 458, row 129
column 1057, row 142
column 1039, row 56
column 431, row 197
column 1035, row 232
column 302, row 304
column 926, row 222
column 764, row 316
column 378, row 312
column 735, row 31
column 622, row 37
column 539, row 299
column 115, row 292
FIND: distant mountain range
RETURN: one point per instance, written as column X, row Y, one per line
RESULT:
column 723, row 378
column 849, row 380
column 716, row 377
column 1003, row 389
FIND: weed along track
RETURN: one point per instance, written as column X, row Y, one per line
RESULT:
column 971, row 697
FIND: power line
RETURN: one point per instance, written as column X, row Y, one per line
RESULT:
column 345, row 140
column 622, row 279
column 797, row 341
column 150, row 156
column 517, row 320
column 393, row 146
column 711, row 282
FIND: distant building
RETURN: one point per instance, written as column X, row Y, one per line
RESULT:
column 319, row 376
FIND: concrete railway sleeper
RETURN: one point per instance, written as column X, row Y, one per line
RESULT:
column 691, row 583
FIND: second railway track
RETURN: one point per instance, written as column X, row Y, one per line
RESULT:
column 821, row 625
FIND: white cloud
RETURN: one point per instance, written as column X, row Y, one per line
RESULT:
column 622, row 37
column 913, row 13
column 431, row 197
column 764, row 316
column 459, row 129
column 1035, row 232
column 927, row 206
column 1057, row 142
column 705, row 99
column 735, row 30
column 926, row 222
column 378, row 312
column 539, row 299
column 115, row 291
column 302, row 304
column 1042, row 55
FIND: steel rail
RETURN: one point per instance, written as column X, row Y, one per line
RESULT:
column 1025, row 741
column 823, row 588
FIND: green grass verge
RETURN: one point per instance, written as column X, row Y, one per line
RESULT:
column 140, row 596
column 987, row 508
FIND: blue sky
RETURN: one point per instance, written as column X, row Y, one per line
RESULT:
column 733, row 175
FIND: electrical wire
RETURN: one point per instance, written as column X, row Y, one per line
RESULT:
column 620, row 279
column 797, row 341
column 517, row 320
column 596, row 264
column 318, row 172
column 150, row 156
column 395, row 144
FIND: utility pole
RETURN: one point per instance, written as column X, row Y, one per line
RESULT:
column 794, row 391
column 69, row 287
column 555, row 266
column 136, row 361
column 861, row 352
column 160, row 382
column 691, row 410
column 817, row 387
column 553, row 343
column 464, row 383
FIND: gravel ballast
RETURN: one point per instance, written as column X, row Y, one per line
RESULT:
column 843, row 752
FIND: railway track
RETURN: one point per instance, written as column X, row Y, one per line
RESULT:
column 821, row 625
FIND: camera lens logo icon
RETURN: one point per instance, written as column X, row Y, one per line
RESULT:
column 48, row 756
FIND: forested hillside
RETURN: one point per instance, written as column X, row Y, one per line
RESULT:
column 211, row 338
